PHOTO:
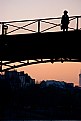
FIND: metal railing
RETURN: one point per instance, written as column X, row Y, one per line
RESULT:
column 38, row 25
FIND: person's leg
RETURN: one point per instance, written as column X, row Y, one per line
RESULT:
column 66, row 27
column 63, row 29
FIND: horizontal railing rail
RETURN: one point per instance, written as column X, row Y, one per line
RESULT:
column 38, row 25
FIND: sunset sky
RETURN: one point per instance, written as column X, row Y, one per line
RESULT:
column 34, row 9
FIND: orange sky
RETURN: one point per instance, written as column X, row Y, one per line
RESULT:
column 32, row 9
column 68, row 72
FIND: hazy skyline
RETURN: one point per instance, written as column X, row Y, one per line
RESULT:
column 68, row 72
column 32, row 9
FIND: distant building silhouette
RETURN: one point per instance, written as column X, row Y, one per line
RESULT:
column 58, row 84
column 18, row 79
column 80, row 79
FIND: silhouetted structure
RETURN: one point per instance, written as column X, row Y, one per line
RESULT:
column 65, row 21
column 80, row 79
column 22, row 47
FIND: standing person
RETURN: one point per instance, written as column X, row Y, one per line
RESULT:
column 65, row 21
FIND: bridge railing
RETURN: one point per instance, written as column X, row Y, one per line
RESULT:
column 38, row 25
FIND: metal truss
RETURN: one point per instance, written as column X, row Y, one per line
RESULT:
column 9, row 65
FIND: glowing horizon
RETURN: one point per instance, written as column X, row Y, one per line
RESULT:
column 67, row 71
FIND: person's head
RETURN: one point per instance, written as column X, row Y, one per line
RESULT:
column 65, row 12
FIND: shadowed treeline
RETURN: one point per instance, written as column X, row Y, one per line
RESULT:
column 35, row 102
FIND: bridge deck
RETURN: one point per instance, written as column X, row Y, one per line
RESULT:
column 40, row 46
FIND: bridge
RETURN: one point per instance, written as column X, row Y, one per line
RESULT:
column 28, row 42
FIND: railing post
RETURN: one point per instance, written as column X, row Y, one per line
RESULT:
column 38, row 26
column 2, row 28
column 77, row 22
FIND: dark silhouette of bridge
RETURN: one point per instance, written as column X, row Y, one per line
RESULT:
column 47, row 43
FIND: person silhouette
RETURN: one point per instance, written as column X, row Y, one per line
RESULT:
column 65, row 21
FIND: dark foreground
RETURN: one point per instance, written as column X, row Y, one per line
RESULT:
column 40, row 103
